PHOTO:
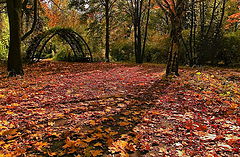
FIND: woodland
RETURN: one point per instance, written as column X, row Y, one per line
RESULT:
column 119, row 78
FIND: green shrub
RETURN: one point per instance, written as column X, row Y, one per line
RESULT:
column 157, row 49
column 68, row 56
column 230, row 49
column 3, row 51
column 122, row 50
column 4, row 38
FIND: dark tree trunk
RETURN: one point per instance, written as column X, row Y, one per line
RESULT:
column 146, row 28
column 138, row 36
column 137, row 23
column 212, row 17
column 190, row 56
column 176, row 31
column 14, row 55
column 107, row 51
column 219, row 26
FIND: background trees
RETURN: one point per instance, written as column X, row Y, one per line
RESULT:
column 163, row 31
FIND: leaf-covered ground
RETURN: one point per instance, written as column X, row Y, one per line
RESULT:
column 100, row 109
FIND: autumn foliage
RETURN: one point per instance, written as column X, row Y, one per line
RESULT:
column 100, row 109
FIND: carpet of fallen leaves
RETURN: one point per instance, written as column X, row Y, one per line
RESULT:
column 112, row 109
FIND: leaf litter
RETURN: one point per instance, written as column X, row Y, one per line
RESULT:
column 112, row 109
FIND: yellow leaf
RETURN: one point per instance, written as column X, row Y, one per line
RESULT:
column 96, row 152
column 98, row 144
column 2, row 96
column 14, row 104
column 198, row 73
column 51, row 123
column 9, row 112
column 108, row 110
column 1, row 142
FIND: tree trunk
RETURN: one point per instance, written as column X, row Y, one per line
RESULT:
column 172, row 64
column 107, row 51
column 175, row 35
column 146, row 29
column 14, row 55
column 138, row 32
column 190, row 56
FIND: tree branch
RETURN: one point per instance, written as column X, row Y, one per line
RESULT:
column 34, row 21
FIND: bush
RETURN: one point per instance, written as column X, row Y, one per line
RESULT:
column 3, row 51
column 68, row 56
column 230, row 49
column 122, row 50
column 4, row 38
column 157, row 49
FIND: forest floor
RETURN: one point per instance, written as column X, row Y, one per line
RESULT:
column 113, row 109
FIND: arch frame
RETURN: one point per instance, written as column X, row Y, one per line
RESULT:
column 77, row 43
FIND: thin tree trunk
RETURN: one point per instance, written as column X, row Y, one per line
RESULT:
column 212, row 17
column 146, row 29
column 194, row 38
column 14, row 56
column 191, row 35
column 202, row 18
column 107, row 53
column 218, row 29
column 139, row 33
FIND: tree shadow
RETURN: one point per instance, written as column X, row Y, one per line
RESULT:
column 112, row 133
